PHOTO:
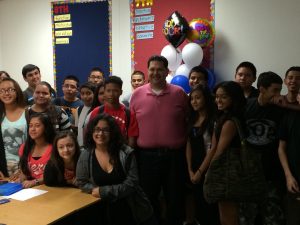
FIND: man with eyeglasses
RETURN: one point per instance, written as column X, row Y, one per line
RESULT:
column 96, row 76
column 69, row 102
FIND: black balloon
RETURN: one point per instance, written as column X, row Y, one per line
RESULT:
column 175, row 29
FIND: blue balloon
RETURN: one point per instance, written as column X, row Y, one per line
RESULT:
column 182, row 81
column 211, row 79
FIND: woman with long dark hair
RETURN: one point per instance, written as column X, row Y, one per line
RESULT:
column 36, row 151
column 98, row 96
column 230, row 102
column 107, row 169
column 13, row 126
column 200, row 129
column 42, row 104
column 61, row 168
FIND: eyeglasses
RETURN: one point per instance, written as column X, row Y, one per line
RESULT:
column 96, row 77
column 98, row 130
column 9, row 90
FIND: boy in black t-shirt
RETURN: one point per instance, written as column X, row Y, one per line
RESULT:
column 245, row 76
column 288, row 150
column 262, row 119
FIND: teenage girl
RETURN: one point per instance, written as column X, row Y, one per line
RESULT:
column 200, row 129
column 61, row 168
column 230, row 102
column 36, row 151
column 13, row 126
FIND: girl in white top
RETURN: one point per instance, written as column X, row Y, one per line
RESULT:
column 13, row 125
column 87, row 96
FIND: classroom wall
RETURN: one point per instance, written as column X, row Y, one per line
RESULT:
column 26, row 37
column 265, row 32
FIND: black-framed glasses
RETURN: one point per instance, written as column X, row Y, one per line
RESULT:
column 8, row 90
column 104, row 130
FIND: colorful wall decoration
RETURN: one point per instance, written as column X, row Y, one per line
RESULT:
column 148, row 20
column 81, row 38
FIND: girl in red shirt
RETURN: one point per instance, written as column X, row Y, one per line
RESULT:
column 36, row 151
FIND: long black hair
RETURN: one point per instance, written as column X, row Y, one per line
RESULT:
column 56, row 159
column 209, row 107
column 96, row 102
column 49, row 134
column 116, row 140
column 238, row 103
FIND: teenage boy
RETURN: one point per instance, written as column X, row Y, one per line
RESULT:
column 262, row 120
column 96, row 76
column 31, row 74
column 245, row 76
column 198, row 75
column 69, row 102
column 289, row 155
column 288, row 150
column 292, row 82
column 137, row 80
column 123, row 116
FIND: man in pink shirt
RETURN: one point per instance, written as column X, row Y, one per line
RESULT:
column 161, row 111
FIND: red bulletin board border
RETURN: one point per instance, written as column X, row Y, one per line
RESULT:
column 142, row 49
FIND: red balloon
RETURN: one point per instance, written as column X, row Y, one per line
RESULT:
column 175, row 29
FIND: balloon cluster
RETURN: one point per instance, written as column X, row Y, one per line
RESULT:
column 200, row 33
column 176, row 29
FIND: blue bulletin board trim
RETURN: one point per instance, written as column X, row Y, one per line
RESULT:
column 81, row 39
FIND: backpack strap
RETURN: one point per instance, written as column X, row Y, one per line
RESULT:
column 244, row 150
column 239, row 129
column 127, row 113
column 79, row 110
column 101, row 109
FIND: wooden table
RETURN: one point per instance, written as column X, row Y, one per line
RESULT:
column 47, row 208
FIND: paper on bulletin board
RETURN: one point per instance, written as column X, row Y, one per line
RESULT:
column 26, row 194
column 147, row 20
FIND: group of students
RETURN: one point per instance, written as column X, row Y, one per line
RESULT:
column 40, row 145
column 101, row 161
column 272, row 124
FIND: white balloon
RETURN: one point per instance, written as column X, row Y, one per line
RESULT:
column 192, row 54
column 183, row 70
column 173, row 56
column 169, row 78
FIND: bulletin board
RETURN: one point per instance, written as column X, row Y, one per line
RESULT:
column 153, row 13
column 81, row 34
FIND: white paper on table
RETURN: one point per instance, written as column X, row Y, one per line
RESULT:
column 26, row 194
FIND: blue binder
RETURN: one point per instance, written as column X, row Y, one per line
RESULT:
column 9, row 188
